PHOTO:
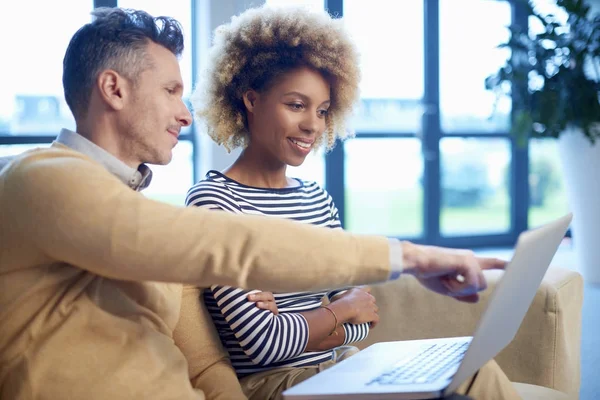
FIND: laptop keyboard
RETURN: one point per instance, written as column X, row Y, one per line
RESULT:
column 425, row 367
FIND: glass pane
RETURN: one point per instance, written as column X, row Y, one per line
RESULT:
column 384, row 193
column 312, row 4
column 181, row 10
column 475, row 191
column 547, row 196
column 391, row 61
column 470, row 31
column 32, row 99
column 170, row 182
column 313, row 169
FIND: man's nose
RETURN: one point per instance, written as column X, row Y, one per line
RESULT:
column 186, row 117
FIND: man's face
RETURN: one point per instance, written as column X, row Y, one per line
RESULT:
column 155, row 111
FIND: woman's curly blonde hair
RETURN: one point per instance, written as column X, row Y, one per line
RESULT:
column 261, row 44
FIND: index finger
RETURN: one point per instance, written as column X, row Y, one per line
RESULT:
column 491, row 263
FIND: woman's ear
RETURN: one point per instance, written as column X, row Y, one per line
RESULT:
column 250, row 98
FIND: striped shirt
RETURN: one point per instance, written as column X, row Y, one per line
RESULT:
column 258, row 340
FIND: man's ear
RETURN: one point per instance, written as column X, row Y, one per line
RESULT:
column 250, row 98
column 113, row 88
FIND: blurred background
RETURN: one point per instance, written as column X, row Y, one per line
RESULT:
column 432, row 160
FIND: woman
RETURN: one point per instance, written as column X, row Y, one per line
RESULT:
column 281, row 83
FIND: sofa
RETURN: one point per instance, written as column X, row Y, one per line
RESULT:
column 543, row 360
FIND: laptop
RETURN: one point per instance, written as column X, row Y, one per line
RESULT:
column 434, row 368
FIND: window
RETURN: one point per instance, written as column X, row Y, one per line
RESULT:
column 470, row 31
column 456, row 179
column 547, row 194
column 392, row 68
column 433, row 159
column 31, row 100
column 383, row 191
column 312, row 169
column 475, row 176
column 171, row 182
column 311, row 4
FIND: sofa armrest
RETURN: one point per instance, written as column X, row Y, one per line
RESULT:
column 545, row 350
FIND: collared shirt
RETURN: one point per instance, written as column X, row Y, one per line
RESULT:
column 137, row 179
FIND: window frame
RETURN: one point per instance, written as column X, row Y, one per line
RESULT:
column 431, row 137
column 432, row 134
column 6, row 138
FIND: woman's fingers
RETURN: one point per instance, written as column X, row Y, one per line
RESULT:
column 261, row 296
column 264, row 301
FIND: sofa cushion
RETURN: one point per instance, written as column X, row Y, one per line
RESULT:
column 533, row 392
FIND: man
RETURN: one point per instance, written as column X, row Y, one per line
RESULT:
column 91, row 270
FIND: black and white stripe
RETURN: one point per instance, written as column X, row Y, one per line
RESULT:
column 256, row 339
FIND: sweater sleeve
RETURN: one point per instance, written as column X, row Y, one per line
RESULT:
column 354, row 333
column 208, row 362
column 74, row 211
column 266, row 338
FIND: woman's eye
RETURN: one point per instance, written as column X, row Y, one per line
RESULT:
column 296, row 106
column 170, row 91
column 323, row 113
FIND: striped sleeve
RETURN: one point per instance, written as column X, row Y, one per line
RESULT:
column 355, row 333
column 265, row 338
column 335, row 222
column 213, row 196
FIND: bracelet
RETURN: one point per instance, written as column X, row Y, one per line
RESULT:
column 334, row 331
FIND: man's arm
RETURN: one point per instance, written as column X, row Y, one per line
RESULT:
column 79, row 213
column 208, row 362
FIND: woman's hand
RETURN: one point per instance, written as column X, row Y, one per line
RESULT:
column 264, row 301
column 356, row 306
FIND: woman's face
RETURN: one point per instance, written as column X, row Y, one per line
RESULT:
column 286, row 120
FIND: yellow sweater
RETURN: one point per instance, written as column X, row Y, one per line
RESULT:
column 90, row 275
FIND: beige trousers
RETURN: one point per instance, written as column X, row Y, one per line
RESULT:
column 489, row 383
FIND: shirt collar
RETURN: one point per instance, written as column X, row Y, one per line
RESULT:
column 137, row 179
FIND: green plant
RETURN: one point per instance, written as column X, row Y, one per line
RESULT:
column 553, row 76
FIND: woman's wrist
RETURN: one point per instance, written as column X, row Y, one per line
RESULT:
column 341, row 310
